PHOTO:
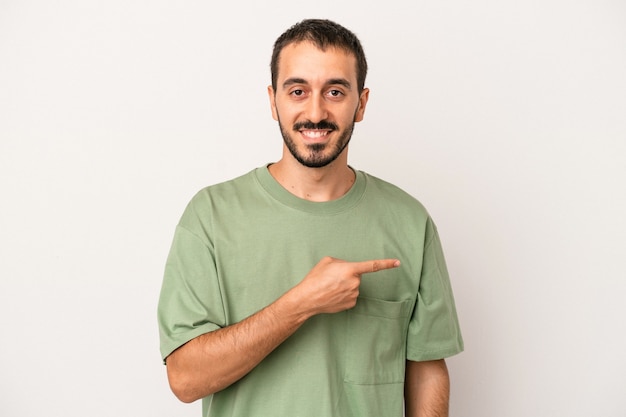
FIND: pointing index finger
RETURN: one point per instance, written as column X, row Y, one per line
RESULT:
column 375, row 265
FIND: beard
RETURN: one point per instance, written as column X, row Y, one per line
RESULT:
column 316, row 155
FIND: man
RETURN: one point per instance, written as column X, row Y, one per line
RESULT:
column 305, row 287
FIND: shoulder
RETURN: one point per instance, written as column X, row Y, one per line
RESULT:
column 242, row 182
column 223, row 192
column 391, row 195
column 218, row 197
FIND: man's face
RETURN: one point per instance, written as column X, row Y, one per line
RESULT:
column 316, row 102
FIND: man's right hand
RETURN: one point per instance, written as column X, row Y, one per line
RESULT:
column 333, row 284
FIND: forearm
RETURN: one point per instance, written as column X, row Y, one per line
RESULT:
column 427, row 389
column 215, row 360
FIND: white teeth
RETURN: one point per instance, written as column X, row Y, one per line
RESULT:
column 314, row 133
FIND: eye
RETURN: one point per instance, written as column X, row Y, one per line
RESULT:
column 297, row 93
column 335, row 93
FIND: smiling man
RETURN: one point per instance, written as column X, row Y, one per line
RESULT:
column 306, row 287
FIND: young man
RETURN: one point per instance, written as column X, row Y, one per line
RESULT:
column 305, row 287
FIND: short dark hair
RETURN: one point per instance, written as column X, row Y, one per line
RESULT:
column 323, row 34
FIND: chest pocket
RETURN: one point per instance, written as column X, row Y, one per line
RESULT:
column 376, row 341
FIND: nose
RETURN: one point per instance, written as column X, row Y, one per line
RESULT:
column 316, row 108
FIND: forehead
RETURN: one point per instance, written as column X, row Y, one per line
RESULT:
column 307, row 61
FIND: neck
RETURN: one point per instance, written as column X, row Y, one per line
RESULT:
column 314, row 184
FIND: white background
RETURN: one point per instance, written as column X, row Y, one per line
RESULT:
column 507, row 119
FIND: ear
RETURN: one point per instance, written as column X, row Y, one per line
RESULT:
column 272, row 97
column 360, row 111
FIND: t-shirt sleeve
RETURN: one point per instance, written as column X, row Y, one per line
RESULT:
column 434, row 331
column 190, row 303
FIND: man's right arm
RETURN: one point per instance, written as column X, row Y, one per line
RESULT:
column 215, row 360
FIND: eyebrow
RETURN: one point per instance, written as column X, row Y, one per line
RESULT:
column 332, row 81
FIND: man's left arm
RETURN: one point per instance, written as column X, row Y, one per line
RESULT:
column 426, row 389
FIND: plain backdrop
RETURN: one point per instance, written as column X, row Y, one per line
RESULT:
column 507, row 119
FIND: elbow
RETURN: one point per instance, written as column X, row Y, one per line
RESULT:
column 180, row 387
column 187, row 399
column 180, row 380
column 185, row 388
column 183, row 395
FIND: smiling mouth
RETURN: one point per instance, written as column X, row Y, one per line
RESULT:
column 315, row 130
column 315, row 134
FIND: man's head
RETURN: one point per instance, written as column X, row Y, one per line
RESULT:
column 323, row 34
column 317, row 91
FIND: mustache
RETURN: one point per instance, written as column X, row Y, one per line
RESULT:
column 321, row 125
